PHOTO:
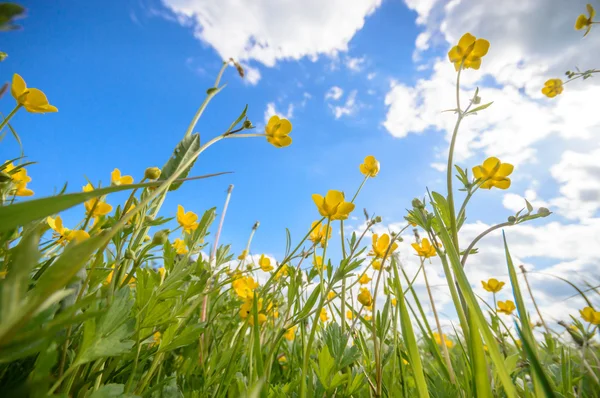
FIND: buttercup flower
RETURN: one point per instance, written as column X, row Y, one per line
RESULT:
column 552, row 88
column 32, row 99
column 265, row 263
column 64, row 235
column 506, row 307
column 188, row 221
column 20, row 180
column 370, row 166
column 589, row 315
column 425, row 249
column 161, row 271
column 323, row 315
column 290, row 334
column 364, row 279
column 179, row 246
column 318, row 263
column 246, row 309
column 244, row 287
column 494, row 173
column 283, row 271
column 584, row 21
column 394, row 302
column 364, row 297
column 333, row 205
column 381, row 245
column 349, row 314
column 331, row 295
column 376, row 264
column 243, row 254
column 469, row 52
column 320, row 234
column 155, row 339
column 277, row 131
column 438, row 340
column 117, row 179
column 368, row 317
column 492, row 285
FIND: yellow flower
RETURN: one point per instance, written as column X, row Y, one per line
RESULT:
column 179, row 246
column 506, row 307
column 370, row 166
column 469, row 52
column 589, row 315
column 323, row 315
column 161, row 271
column 244, row 287
column 494, row 173
column 265, row 263
column 32, row 99
column 331, row 295
column 64, row 235
column 20, row 180
column 364, row 297
column 290, row 334
column 282, row 359
column 552, row 88
column 319, row 235
column 117, row 179
column 333, row 205
column 381, row 245
column 349, row 314
column 425, row 249
column 492, row 285
column 394, row 302
column 438, row 340
column 318, row 263
column 277, row 131
column 586, row 22
column 155, row 339
column 188, row 221
column 376, row 265
column 368, row 317
column 243, row 254
column 283, row 271
column 246, row 309
column 364, row 279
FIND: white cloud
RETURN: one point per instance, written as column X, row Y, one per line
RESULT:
column 271, row 30
column 272, row 110
column 334, row 93
column 371, row 76
column 349, row 107
column 252, row 75
column 355, row 64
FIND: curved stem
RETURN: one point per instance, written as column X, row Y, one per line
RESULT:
column 453, row 229
column 9, row 116
column 481, row 235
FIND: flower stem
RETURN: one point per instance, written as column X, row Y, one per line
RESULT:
column 9, row 116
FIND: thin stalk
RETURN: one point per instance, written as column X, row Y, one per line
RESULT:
column 9, row 116
column 453, row 229
column 533, row 299
column 480, row 236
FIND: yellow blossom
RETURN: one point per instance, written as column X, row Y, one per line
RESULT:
column 368, row 317
column 493, row 173
column 20, row 180
column 320, row 234
column 318, row 263
column 188, row 221
column 370, row 166
column 32, row 99
column 584, row 21
column 323, row 316
column 438, row 340
column 246, row 310
column 381, row 246
column 331, row 295
column 376, row 265
column 290, row 334
column 506, row 307
column 552, row 88
column 425, row 249
column 283, row 271
column 155, row 339
column 492, row 285
column 179, row 246
column 243, row 254
column 333, row 205
column 265, row 263
column 394, row 302
column 589, row 315
column 161, row 271
column 244, row 287
column 277, row 131
column 349, row 314
column 364, row 279
column 468, row 52
column 64, row 235
column 364, row 297
column 117, row 179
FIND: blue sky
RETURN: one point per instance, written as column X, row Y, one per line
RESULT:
column 128, row 76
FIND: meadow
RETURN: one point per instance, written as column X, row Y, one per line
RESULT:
column 135, row 302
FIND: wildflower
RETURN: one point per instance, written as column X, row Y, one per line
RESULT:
column 331, row 295
column 493, row 173
column 155, row 339
column 589, row 315
column 349, row 314
column 272, row 310
column 506, row 307
column 323, row 316
column 333, row 205
column 376, row 264
column 586, row 22
column 20, row 180
column 179, row 246
column 117, row 179
column 282, row 359
column 188, row 221
column 32, row 99
column 382, row 246
column 152, row 173
column 318, row 263
column 277, row 131
column 243, row 255
column 552, row 88
column 370, row 167
column 364, row 297
column 368, row 317
column 64, row 235
column 425, row 249
column 283, row 271
column 364, row 279
column 290, row 334
column 468, row 52
column 438, row 340
column 161, row 272
column 492, row 285
column 394, row 302
column 319, row 235
column 246, row 309
column 265, row 263
column 244, row 287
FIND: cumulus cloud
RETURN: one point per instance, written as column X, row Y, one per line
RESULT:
column 269, row 30
column 334, row 93
column 349, row 107
column 355, row 64
column 272, row 110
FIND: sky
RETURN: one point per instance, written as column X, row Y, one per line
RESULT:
column 367, row 77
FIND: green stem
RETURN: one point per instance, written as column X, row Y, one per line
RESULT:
column 9, row 116
column 453, row 229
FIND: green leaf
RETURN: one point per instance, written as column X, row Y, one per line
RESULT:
column 183, row 152
column 239, row 119
column 480, row 370
column 309, row 304
column 480, row 108
column 187, row 336
column 541, row 379
column 112, row 391
column 442, row 205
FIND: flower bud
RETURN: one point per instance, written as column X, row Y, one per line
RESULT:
column 247, row 124
column 161, row 237
column 512, row 219
column 542, row 211
column 416, row 203
column 152, row 173
column 130, row 254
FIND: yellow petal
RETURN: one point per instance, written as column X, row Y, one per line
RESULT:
column 481, row 47
column 343, row 210
column 581, row 22
column 455, row 54
column 18, row 87
column 285, row 127
column 490, row 165
column 334, row 198
column 115, row 176
column 505, row 170
column 273, row 121
column 465, row 41
column 36, row 98
column 502, row 184
column 478, row 172
column 126, row 180
column 51, row 222
column 591, row 11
